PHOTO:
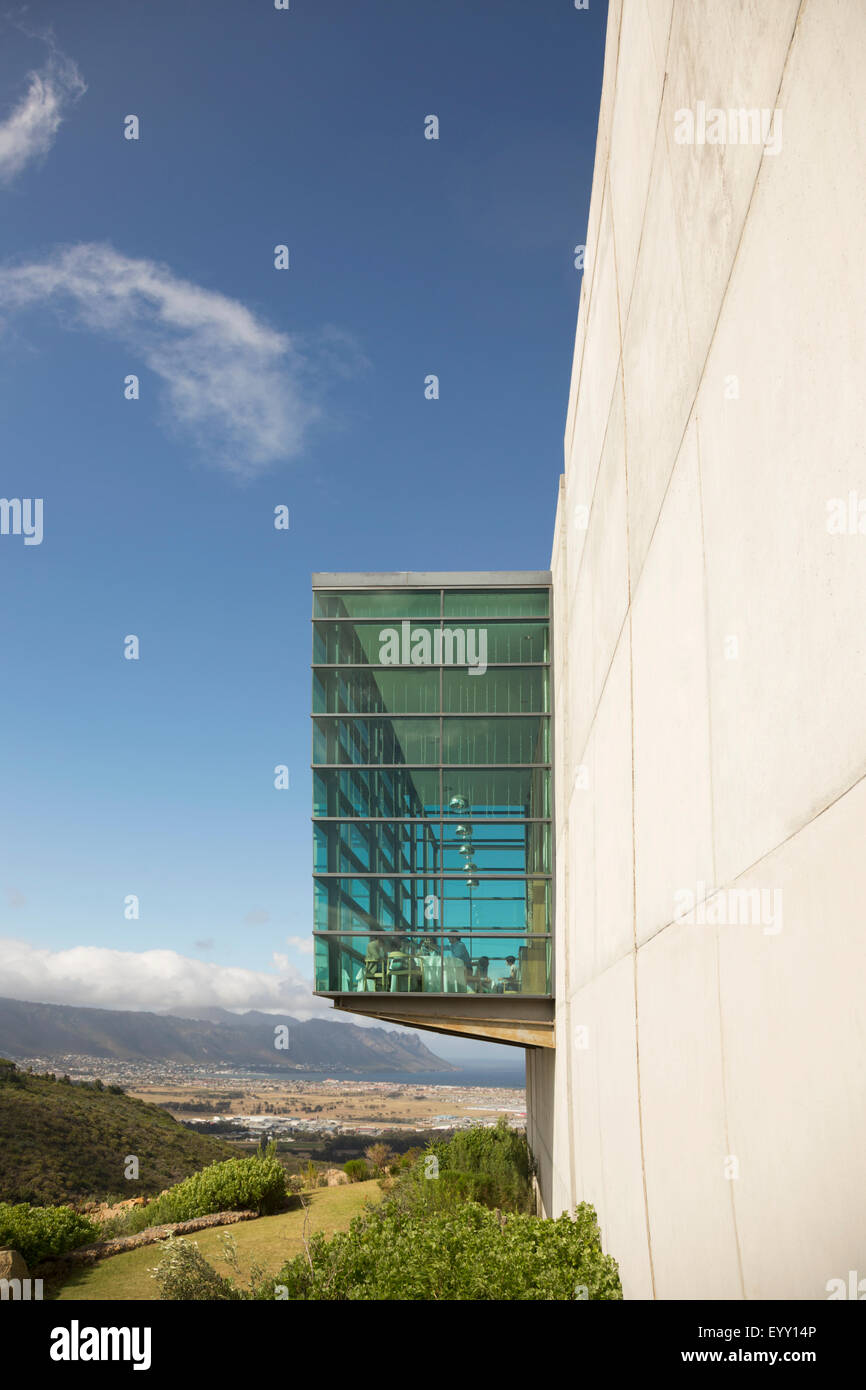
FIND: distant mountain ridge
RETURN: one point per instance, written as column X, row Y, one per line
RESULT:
column 215, row 1036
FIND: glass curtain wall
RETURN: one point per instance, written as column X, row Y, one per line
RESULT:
column 431, row 790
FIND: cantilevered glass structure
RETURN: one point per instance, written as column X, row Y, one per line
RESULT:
column 432, row 838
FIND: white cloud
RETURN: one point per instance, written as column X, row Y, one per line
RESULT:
column 240, row 390
column 304, row 944
column 28, row 132
column 162, row 981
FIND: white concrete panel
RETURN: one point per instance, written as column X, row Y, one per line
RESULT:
column 611, row 797
column 788, row 726
column 581, row 909
column 729, row 56
column 635, row 117
column 794, row 1017
column 606, row 1091
column 690, row 1201
column 605, row 560
column 660, row 14
column 661, row 373
column 673, row 830
column 597, row 379
column 580, row 675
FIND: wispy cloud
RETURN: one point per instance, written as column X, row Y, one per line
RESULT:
column 163, row 981
column 243, row 392
column 29, row 131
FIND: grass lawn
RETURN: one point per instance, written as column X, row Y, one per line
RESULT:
column 271, row 1240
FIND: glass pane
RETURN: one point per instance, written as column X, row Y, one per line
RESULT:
column 366, row 904
column 511, row 964
column 496, row 848
column 376, row 846
column 496, row 792
column 517, row 642
column 497, row 603
column 500, row 690
column 389, row 792
column 375, row 603
column 375, row 644
column 378, row 962
column 376, row 741
column 491, row 904
column 360, row 690
column 495, row 740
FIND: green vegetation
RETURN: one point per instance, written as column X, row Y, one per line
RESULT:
column 256, row 1183
column 39, row 1232
column 357, row 1169
column 68, row 1141
column 432, row 1239
column 490, row 1166
column 266, row 1244
column 471, row 1253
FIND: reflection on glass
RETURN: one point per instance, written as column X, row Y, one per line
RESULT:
column 377, row 792
column 497, row 792
column 375, row 603
column 377, row 690
column 431, row 790
column 499, row 690
column 375, row 741
column 496, row 603
column 435, row 963
column 376, row 847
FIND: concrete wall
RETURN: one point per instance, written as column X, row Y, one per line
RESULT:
column 707, row 1091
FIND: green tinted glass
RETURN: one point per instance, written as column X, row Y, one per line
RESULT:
column 377, row 847
column 375, row 603
column 496, row 792
column 432, row 963
column 496, row 603
column 366, row 792
column 498, row 690
column 374, row 690
column 501, row 740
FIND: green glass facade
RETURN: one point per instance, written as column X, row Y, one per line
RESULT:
column 431, row 789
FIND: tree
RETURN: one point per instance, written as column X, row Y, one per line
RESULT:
column 379, row 1155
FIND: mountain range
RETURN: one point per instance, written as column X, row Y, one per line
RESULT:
column 214, row 1037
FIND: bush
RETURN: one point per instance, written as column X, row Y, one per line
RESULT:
column 184, row 1273
column 257, row 1183
column 356, row 1169
column 471, row 1254
column 40, row 1232
column 490, row 1166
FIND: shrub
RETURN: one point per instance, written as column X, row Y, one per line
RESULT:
column 184, row 1273
column 356, row 1169
column 490, row 1166
column 40, row 1232
column 257, row 1183
column 470, row 1253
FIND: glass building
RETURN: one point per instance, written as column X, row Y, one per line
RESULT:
column 432, row 787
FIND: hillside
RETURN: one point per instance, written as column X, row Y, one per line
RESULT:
column 61, row 1142
column 246, row 1040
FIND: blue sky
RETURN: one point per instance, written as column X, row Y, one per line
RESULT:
column 258, row 387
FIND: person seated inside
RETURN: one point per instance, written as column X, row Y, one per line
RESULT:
column 374, row 963
column 459, row 951
column 480, row 978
